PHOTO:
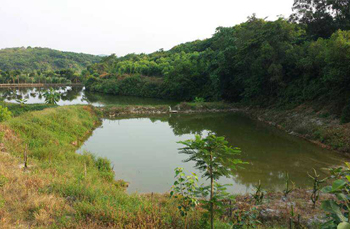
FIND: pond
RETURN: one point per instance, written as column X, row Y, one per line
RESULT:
column 76, row 95
column 144, row 151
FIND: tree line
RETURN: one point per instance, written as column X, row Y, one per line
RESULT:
column 63, row 76
column 286, row 62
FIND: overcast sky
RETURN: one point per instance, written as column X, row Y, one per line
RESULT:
column 123, row 26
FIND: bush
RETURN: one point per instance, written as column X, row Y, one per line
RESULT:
column 5, row 114
column 345, row 117
column 104, row 167
column 103, row 164
column 199, row 100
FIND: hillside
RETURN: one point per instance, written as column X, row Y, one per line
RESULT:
column 45, row 59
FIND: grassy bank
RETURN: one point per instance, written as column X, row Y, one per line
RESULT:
column 64, row 189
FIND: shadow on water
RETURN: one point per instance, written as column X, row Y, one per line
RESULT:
column 144, row 150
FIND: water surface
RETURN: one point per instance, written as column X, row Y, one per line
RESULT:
column 76, row 95
column 144, row 151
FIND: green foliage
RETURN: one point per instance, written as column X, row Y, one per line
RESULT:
column 216, row 204
column 51, row 96
column 290, row 185
column 43, row 59
column 21, row 101
column 5, row 114
column 184, row 190
column 322, row 17
column 339, row 209
column 259, row 194
column 63, row 76
column 199, row 100
column 245, row 219
column 256, row 62
column 215, row 159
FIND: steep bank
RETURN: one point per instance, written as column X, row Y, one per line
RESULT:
column 317, row 126
column 113, row 111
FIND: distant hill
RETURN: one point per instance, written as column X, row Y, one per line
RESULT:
column 29, row 59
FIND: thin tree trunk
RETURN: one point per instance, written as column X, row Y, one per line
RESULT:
column 211, row 194
column 211, row 203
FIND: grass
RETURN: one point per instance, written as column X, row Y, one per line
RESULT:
column 64, row 189
column 18, row 109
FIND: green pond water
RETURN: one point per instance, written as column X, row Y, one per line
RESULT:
column 144, row 151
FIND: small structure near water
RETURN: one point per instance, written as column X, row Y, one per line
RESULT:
column 172, row 111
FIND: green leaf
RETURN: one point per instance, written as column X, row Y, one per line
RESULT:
column 331, row 207
column 326, row 189
column 347, row 164
column 341, row 196
column 348, row 177
column 338, row 185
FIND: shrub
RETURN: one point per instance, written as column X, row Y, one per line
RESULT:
column 104, row 166
column 199, row 100
column 5, row 114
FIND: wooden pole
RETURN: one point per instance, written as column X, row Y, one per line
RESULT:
column 25, row 158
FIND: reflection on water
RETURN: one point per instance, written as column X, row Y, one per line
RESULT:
column 76, row 95
column 144, row 151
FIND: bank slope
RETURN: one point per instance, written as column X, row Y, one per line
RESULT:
column 64, row 189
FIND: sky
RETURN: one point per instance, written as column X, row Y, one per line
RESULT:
column 123, row 26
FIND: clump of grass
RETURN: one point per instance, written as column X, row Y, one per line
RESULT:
column 5, row 114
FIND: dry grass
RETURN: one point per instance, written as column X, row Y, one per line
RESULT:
column 23, row 205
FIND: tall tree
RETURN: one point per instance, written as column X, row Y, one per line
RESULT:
column 322, row 17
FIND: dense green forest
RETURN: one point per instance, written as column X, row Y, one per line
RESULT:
column 43, row 59
column 283, row 62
